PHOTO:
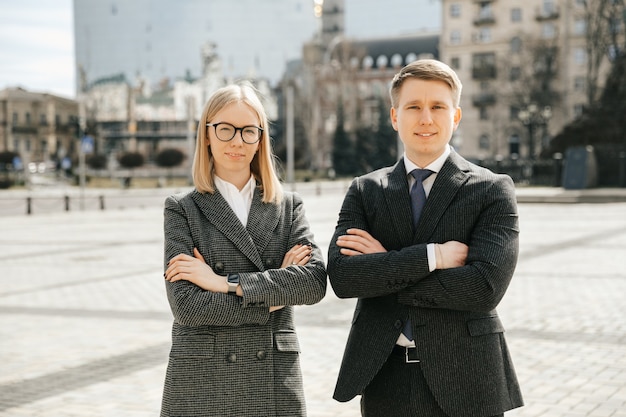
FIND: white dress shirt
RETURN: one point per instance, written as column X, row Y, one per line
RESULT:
column 239, row 201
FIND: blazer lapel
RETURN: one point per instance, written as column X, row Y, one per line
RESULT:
column 262, row 221
column 396, row 191
column 217, row 211
column 448, row 182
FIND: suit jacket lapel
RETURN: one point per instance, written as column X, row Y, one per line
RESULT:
column 217, row 211
column 262, row 221
column 396, row 191
column 451, row 177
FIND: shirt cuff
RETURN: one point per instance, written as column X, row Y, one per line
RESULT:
column 432, row 259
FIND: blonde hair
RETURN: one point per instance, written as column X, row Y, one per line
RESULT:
column 263, row 163
column 429, row 70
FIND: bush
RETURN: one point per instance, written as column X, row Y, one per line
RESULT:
column 6, row 157
column 97, row 161
column 169, row 158
column 131, row 160
column 5, row 183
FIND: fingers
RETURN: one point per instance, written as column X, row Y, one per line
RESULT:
column 196, row 254
column 359, row 242
column 298, row 255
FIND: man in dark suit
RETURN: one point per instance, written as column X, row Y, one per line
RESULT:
column 426, row 339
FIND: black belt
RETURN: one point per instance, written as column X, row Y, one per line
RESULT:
column 408, row 354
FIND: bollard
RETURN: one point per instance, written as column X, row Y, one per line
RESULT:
column 101, row 202
column 28, row 205
column 67, row 203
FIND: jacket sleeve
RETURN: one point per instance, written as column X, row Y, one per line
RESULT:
column 372, row 275
column 294, row 285
column 190, row 304
column 493, row 243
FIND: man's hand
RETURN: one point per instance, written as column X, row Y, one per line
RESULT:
column 358, row 242
column 451, row 254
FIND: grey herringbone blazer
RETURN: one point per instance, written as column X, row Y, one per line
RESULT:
column 230, row 356
column 459, row 336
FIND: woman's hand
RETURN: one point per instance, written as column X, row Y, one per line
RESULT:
column 298, row 255
column 358, row 242
column 195, row 269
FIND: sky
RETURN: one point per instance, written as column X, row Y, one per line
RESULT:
column 37, row 46
column 37, row 37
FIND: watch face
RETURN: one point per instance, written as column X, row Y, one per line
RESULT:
column 233, row 278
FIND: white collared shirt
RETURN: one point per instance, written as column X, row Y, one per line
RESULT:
column 239, row 201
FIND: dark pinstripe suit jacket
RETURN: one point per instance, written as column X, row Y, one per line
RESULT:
column 230, row 356
column 458, row 334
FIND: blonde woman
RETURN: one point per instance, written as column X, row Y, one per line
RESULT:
column 238, row 255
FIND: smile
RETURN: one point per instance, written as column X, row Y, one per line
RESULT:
column 426, row 135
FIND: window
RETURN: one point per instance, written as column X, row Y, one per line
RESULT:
column 516, row 14
column 515, row 73
column 579, row 83
column 455, row 63
column 514, row 142
column 483, row 142
column 15, row 118
column 548, row 31
column 455, row 37
column 27, row 118
column 484, row 66
column 485, row 34
column 455, row 10
column 42, row 119
column 516, row 45
column 580, row 26
column 578, row 109
column 485, row 12
column 483, row 113
column 549, row 7
column 381, row 61
column 580, row 56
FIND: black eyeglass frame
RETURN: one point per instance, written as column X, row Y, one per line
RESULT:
column 240, row 129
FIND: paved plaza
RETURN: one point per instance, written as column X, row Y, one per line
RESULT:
column 85, row 324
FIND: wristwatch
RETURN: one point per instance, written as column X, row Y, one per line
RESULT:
column 233, row 282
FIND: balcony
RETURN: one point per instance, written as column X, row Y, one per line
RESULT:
column 484, row 19
column 544, row 14
column 484, row 72
column 484, row 98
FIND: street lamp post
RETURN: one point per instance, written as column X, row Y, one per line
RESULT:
column 533, row 117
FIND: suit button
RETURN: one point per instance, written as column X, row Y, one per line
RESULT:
column 398, row 324
column 416, row 303
column 269, row 262
column 261, row 355
column 219, row 267
column 232, row 358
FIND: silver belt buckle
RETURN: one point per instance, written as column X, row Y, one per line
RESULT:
column 407, row 359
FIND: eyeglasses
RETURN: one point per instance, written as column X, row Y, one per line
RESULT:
column 226, row 131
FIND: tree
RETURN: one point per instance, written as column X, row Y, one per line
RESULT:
column 344, row 158
column 602, row 38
